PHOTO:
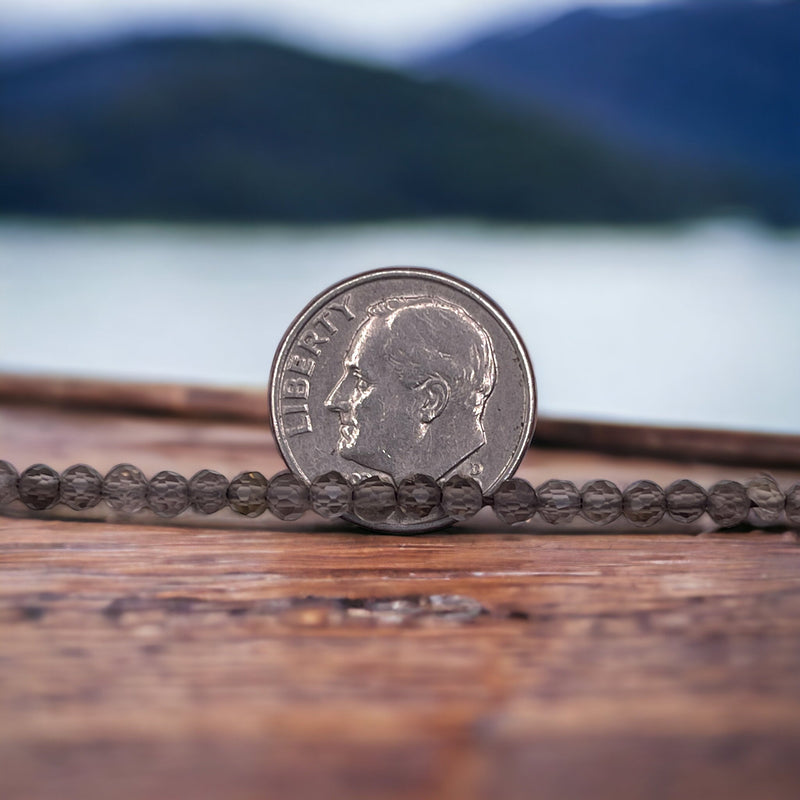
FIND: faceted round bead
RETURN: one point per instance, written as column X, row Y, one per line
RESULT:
column 331, row 495
column 81, row 487
column 287, row 496
column 766, row 500
column 125, row 488
column 247, row 494
column 208, row 491
column 418, row 495
column 39, row 487
column 686, row 501
column 374, row 499
column 514, row 501
column 728, row 503
column 644, row 503
column 462, row 497
column 8, row 483
column 601, row 502
column 168, row 493
column 559, row 501
column 792, row 508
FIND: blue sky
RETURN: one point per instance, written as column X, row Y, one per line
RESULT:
column 366, row 28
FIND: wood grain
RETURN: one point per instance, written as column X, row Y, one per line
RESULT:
column 308, row 660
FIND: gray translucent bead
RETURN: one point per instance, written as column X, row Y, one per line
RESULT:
column 331, row 495
column 374, row 499
column 514, row 501
column 287, row 496
column 766, row 500
column 559, row 501
column 81, row 487
column 168, row 493
column 686, row 501
column 462, row 497
column 208, row 491
column 125, row 488
column 8, row 483
column 792, row 508
column 728, row 503
column 644, row 503
column 39, row 487
column 418, row 495
column 601, row 502
column 247, row 494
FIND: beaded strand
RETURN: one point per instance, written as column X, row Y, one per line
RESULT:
column 644, row 503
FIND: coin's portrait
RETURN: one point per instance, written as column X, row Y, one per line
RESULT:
column 413, row 388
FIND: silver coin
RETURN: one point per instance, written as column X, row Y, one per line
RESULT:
column 402, row 371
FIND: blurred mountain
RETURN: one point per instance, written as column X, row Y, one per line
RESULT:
column 716, row 84
column 231, row 128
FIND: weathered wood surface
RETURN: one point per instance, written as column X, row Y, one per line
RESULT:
column 307, row 660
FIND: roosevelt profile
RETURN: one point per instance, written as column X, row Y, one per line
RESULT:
column 413, row 388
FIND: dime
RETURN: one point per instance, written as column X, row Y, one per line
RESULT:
column 398, row 372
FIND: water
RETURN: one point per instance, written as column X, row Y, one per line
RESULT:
column 697, row 325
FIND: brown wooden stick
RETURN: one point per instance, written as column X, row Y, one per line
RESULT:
column 159, row 399
column 677, row 444
column 250, row 405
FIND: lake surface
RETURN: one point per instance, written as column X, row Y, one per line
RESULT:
column 697, row 325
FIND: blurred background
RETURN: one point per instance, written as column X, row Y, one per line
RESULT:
column 179, row 177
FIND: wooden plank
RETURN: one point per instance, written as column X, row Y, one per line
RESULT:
column 249, row 405
column 160, row 399
column 682, row 444
column 308, row 659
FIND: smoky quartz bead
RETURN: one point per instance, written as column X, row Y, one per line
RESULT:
column 514, row 501
column 8, row 483
column 125, row 488
column 331, row 495
column 168, row 493
column 287, row 496
column 374, row 499
column 247, row 494
column 462, row 497
column 792, row 508
column 644, row 503
column 601, row 502
column 728, row 503
column 766, row 500
column 686, row 501
column 208, row 491
column 559, row 501
column 81, row 487
column 418, row 495
column 38, row 487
